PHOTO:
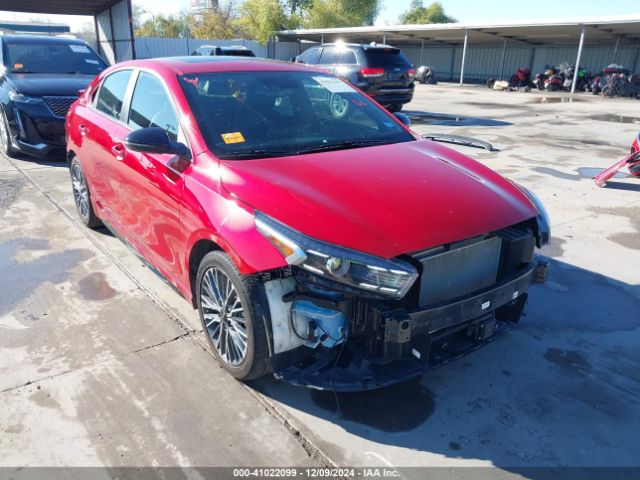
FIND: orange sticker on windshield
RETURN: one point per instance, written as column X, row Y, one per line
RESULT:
column 233, row 137
column 18, row 66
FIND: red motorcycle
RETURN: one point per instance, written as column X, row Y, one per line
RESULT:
column 632, row 162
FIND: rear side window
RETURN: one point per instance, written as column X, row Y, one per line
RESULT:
column 112, row 91
column 151, row 107
column 338, row 56
column 310, row 56
column 385, row 57
column 329, row 56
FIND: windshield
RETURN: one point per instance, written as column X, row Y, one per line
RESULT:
column 35, row 56
column 245, row 115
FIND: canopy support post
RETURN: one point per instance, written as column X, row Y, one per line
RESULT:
column 575, row 70
column 504, row 55
column 464, row 55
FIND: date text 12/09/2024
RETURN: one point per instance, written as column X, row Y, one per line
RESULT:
column 370, row 473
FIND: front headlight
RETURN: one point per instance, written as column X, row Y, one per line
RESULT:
column 19, row 98
column 544, row 225
column 349, row 267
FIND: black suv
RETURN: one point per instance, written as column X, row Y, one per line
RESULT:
column 39, row 82
column 213, row 50
column 381, row 71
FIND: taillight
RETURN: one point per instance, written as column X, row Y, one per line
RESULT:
column 372, row 72
column 411, row 72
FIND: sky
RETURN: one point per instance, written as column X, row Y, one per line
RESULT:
column 465, row 11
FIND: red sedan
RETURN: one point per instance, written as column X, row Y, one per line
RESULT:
column 319, row 238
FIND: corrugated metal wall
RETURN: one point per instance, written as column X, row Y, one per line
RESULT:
column 482, row 63
column 147, row 47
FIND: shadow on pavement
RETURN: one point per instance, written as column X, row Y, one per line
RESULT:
column 560, row 389
column 23, row 160
column 431, row 118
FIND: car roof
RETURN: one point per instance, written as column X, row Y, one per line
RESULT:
column 43, row 39
column 366, row 46
column 196, row 64
column 225, row 47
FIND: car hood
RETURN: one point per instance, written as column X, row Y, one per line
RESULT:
column 384, row 200
column 39, row 84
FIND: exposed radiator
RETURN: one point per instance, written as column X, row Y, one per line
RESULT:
column 458, row 271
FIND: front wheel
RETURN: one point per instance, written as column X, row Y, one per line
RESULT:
column 5, row 137
column 82, row 195
column 226, row 305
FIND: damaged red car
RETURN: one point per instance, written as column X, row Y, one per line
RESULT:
column 320, row 239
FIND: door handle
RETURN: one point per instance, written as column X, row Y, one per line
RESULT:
column 83, row 130
column 118, row 151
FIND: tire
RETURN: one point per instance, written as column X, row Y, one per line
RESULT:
column 634, row 168
column 552, row 87
column 5, row 137
column 218, row 269
column 394, row 107
column 82, row 195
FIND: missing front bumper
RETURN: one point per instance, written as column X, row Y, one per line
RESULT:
column 412, row 341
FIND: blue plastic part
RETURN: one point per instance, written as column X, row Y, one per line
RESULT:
column 323, row 326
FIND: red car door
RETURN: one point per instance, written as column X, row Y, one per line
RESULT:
column 99, row 123
column 150, row 186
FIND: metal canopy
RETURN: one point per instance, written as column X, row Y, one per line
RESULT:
column 63, row 7
column 552, row 32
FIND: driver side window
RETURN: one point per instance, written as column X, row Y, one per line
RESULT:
column 151, row 107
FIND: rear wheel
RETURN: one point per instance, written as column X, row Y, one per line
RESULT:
column 5, row 137
column 226, row 305
column 82, row 195
column 394, row 107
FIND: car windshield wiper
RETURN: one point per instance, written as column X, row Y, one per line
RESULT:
column 255, row 153
column 326, row 147
column 459, row 140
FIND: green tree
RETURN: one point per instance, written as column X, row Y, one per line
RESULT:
column 170, row 26
column 341, row 13
column 419, row 14
column 259, row 19
column 297, row 8
column 217, row 22
column 136, row 18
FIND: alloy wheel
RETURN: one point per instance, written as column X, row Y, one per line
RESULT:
column 80, row 190
column 224, row 318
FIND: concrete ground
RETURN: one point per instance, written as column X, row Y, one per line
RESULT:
column 102, row 364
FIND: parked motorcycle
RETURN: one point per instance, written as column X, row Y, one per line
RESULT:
column 521, row 79
column 622, row 86
column 541, row 78
column 609, row 75
column 425, row 74
column 583, row 79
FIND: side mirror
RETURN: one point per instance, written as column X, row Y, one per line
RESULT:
column 403, row 118
column 155, row 140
